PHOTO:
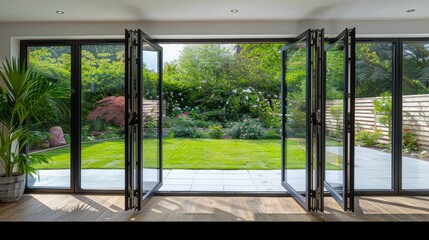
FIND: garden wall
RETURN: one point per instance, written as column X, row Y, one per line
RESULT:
column 415, row 117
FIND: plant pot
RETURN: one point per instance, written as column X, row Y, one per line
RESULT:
column 12, row 188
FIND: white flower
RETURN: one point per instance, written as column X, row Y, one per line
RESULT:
column 234, row 91
column 247, row 98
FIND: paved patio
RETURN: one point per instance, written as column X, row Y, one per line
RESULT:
column 372, row 171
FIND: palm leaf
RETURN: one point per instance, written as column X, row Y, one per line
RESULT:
column 25, row 94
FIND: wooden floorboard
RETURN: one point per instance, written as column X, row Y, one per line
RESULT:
column 66, row 207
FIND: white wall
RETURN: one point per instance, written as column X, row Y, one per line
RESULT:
column 11, row 33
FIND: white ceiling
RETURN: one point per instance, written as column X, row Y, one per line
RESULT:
column 209, row 10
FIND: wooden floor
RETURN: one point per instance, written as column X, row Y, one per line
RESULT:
column 56, row 207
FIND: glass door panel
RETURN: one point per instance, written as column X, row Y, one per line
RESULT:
column 102, row 116
column 296, row 112
column 54, row 63
column 152, row 115
column 415, row 115
column 373, row 116
column 338, row 154
column 143, row 118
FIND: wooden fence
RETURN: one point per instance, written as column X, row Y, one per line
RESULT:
column 151, row 108
column 415, row 112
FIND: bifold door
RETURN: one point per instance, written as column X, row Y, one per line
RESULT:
column 338, row 98
column 317, row 119
column 143, row 129
column 299, row 79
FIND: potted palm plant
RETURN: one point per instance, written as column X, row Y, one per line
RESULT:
column 24, row 95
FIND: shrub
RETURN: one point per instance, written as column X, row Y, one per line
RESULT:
column 247, row 129
column 216, row 132
column 167, row 122
column 214, row 115
column 150, row 122
column 409, row 141
column 98, row 125
column 106, row 136
column 205, row 124
column 245, row 101
column 85, row 133
column 273, row 134
column 383, row 111
column 168, row 135
column 110, row 109
column 67, row 138
column 271, row 119
column 183, row 126
column 369, row 138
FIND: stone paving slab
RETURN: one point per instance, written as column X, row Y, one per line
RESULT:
column 372, row 171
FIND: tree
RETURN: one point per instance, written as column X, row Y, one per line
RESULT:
column 373, row 68
column 415, row 68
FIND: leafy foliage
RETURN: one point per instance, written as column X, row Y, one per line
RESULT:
column 218, row 83
column 216, row 132
column 111, row 110
column 24, row 94
column 184, row 126
column 248, row 128
column 369, row 138
column 383, row 110
column 409, row 141
column 273, row 134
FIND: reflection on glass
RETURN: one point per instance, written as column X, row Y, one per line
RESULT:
column 296, row 117
column 373, row 116
column 53, row 62
column 151, row 107
column 102, row 116
column 334, row 134
column 415, row 115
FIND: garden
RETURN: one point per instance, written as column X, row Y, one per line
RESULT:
column 222, row 106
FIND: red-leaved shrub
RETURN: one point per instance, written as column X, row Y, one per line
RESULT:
column 110, row 109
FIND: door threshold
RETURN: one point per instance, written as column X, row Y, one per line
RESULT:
column 222, row 193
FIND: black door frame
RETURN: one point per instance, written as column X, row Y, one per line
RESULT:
column 75, row 109
column 313, row 198
column 346, row 199
column 135, row 195
column 396, row 114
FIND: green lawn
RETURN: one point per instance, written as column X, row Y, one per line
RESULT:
column 183, row 153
